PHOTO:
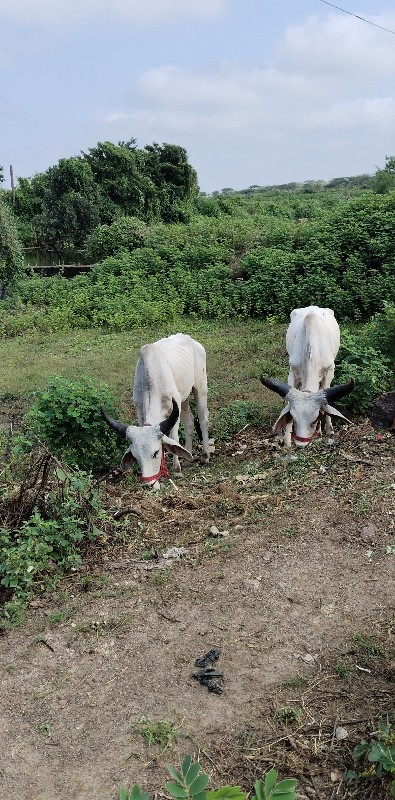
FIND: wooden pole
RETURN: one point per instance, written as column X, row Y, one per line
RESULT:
column 12, row 184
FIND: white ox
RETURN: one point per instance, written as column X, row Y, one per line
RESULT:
column 167, row 371
column 312, row 341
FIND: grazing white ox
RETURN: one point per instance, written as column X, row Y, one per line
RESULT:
column 312, row 341
column 167, row 371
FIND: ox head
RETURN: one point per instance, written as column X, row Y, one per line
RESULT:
column 147, row 445
column 305, row 408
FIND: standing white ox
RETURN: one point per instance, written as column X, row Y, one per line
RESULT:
column 167, row 371
column 312, row 341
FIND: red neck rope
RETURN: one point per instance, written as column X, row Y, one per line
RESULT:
column 163, row 471
column 303, row 439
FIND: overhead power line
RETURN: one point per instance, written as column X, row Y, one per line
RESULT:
column 368, row 21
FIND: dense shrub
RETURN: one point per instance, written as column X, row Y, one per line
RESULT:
column 368, row 355
column 66, row 417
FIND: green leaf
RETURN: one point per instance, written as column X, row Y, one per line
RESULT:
column 123, row 795
column 226, row 793
column 60, row 474
column 270, row 780
column 174, row 774
column 175, row 790
column 186, row 764
column 192, row 773
column 360, row 749
column 199, row 784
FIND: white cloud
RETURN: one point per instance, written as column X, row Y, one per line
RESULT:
column 49, row 13
column 376, row 112
column 340, row 45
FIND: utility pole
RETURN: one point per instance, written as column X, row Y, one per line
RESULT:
column 12, row 184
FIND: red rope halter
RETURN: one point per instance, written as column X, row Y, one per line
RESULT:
column 163, row 471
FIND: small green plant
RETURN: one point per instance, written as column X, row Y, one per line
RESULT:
column 298, row 682
column 378, row 756
column 343, row 669
column 369, row 646
column 66, row 416
column 134, row 794
column 163, row 732
column 44, row 727
column 288, row 715
column 270, row 790
column 189, row 783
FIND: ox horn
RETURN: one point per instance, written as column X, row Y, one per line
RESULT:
column 276, row 386
column 119, row 427
column 333, row 393
column 167, row 424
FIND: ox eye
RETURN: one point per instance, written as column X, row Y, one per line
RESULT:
column 156, row 453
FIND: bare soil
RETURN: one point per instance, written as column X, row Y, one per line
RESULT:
column 296, row 586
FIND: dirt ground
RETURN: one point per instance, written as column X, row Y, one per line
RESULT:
column 295, row 584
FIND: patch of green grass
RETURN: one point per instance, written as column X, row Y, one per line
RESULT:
column 288, row 715
column 298, row 682
column 343, row 669
column 369, row 646
column 214, row 546
column 163, row 732
column 57, row 617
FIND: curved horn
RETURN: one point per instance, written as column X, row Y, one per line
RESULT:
column 167, row 424
column 333, row 393
column 276, row 386
column 119, row 427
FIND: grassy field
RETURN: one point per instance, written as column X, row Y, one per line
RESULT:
column 237, row 353
column 286, row 564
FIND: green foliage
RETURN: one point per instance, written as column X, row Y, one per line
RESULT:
column 163, row 732
column 11, row 255
column 368, row 355
column 379, row 753
column 26, row 553
column 125, row 233
column 66, row 417
column 270, row 790
column 234, row 417
column 189, row 783
column 134, row 794
column 288, row 715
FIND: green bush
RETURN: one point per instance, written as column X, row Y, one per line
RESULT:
column 126, row 233
column 231, row 419
column 25, row 554
column 66, row 417
column 370, row 369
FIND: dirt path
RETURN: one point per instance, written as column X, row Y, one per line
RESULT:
column 282, row 595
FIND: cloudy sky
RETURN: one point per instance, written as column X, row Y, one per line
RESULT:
column 257, row 91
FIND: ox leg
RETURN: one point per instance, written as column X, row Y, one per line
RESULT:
column 187, row 421
column 296, row 383
column 176, row 462
column 326, row 381
column 202, row 411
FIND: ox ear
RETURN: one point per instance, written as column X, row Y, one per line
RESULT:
column 127, row 461
column 334, row 412
column 283, row 419
column 173, row 447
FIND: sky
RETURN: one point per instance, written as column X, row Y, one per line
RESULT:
column 258, row 92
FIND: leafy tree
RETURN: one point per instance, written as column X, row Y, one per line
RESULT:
column 384, row 179
column 11, row 254
column 175, row 180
